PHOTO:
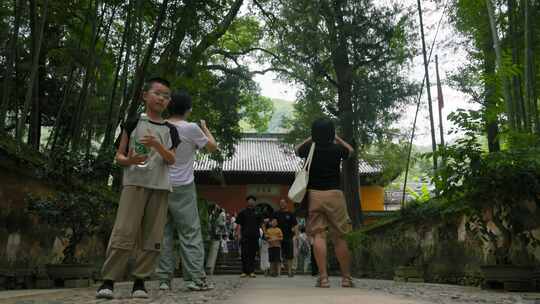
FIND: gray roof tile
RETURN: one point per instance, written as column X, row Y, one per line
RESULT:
column 265, row 153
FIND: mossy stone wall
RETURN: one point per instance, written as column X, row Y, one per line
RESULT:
column 443, row 249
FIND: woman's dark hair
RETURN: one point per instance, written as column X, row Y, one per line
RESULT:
column 180, row 103
column 323, row 131
column 252, row 197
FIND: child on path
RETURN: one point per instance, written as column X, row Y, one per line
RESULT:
column 303, row 250
column 287, row 223
column 263, row 252
column 274, row 237
column 146, row 149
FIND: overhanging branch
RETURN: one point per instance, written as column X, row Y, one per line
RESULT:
column 247, row 74
column 245, row 52
column 267, row 14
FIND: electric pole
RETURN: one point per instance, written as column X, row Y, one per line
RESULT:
column 428, row 87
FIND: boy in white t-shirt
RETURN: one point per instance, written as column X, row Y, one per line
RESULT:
column 183, row 214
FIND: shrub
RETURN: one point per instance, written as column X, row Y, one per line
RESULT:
column 78, row 215
column 499, row 188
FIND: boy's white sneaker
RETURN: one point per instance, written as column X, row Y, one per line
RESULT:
column 164, row 286
column 105, row 291
column 138, row 290
column 140, row 294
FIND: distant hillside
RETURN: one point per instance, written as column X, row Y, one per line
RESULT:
column 282, row 108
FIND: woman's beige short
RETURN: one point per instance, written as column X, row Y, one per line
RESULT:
column 328, row 211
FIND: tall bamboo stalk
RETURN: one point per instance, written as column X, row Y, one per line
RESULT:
column 10, row 62
column 529, row 67
column 111, row 117
column 498, row 55
column 33, row 74
column 439, row 92
column 141, row 70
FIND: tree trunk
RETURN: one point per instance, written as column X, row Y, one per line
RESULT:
column 77, row 119
column 10, row 63
column 343, row 68
column 51, row 141
column 106, row 146
column 490, row 102
column 141, row 70
column 522, row 121
column 34, row 131
column 498, row 58
column 33, row 73
column 60, row 134
column 529, row 66
column 31, row 140
column 89, row 136
column 121, row 113
column 108, row 32
column 109, row 132
column 168, row 61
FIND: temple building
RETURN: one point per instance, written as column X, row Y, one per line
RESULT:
column 264, row 166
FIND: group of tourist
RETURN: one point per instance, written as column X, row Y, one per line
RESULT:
column 159, row 198
column 279, row 233
column 271, row 237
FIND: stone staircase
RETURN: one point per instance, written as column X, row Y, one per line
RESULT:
column 229, row 263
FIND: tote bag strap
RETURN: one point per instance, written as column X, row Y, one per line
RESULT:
column 307, row 165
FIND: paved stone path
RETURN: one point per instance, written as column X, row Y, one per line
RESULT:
column 225, row 287
column 297, row 290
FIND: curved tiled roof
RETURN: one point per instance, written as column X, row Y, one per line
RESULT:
column 265, row 153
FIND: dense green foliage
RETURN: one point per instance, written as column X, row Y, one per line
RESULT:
column 69, row 89
column 500, row 188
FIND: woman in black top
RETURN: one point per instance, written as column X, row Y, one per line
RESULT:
column 327, row 207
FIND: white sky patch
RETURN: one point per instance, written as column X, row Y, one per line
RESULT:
column 274, row 88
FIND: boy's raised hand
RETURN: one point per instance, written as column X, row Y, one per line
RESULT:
column 135, row 159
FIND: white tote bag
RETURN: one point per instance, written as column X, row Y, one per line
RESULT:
column 299, row 187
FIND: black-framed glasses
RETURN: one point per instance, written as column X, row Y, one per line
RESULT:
column 165, row 96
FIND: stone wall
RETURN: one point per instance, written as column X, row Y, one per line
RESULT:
column 443, row 248
column 24, row 242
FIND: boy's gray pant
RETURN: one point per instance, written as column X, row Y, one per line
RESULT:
column 212, row 256
column 183, row 216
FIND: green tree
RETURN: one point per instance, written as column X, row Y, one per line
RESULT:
column 349, row 58
column 84, row 76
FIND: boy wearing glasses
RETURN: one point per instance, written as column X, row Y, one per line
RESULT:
column 146, row 149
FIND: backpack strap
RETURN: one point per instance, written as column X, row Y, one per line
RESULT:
column 128, row 127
